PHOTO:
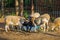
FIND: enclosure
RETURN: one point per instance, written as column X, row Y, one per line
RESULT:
column 25, row 8
column 12, row 7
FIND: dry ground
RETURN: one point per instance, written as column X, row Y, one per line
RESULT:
column 13, row 35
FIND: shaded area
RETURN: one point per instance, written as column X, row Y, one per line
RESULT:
column 55, row 35
column 3, row 38
column 14, row 35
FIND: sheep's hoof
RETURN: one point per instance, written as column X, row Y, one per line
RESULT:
column 6, row 31
column 35, row 31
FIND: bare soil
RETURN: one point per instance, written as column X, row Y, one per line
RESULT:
column 14, row 35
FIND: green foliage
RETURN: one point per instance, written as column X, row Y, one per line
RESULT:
column 13, row 13
column 26, row 2
column 52, row 19
column 26, row 14
column 9, row 3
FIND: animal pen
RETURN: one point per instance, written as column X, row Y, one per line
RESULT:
column 10, row 7
column 20, row 8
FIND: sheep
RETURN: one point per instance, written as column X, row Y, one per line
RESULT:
column 51, row 26
column 46, row 15
column 42, row 21
column 33, row 18
column 45, row 20
column 35, row 15
column 56, row 24
column 12, row 20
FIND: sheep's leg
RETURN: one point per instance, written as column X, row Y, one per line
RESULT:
column 6, row 28
column 58, row 28
column 44, row 27
column 17, row 24
column 41, row 26
column 12, row 27
column 53, row 28
column 11, row 23
column 35, row 28
column 20, row 25
column 47, row 27
column 19, row 28
column 44, row 20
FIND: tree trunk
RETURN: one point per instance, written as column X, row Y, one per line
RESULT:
column 21, row 7
column 32, row 8
column 17, row 7
column 2, row 8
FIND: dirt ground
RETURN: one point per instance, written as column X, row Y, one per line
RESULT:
column 13, row 35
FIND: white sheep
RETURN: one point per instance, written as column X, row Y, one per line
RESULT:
column 12, row 20
column 56, row 23
column 45, row 20
column 33, row 18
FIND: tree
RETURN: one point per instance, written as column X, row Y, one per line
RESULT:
column 2, row 8
column 9, row 3
column 17, row 7
column 32, row 7
column 21, row 7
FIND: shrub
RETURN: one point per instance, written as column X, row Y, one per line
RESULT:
column 52, row 19
column 26, row 14
column 13, row 13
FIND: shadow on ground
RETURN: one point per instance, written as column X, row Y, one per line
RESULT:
column 3, row 38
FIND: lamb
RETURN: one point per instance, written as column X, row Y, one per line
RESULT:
column 56, row 23
column 12, row 20
column 45, row 20
column 33, row 18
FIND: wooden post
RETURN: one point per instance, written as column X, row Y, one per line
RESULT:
column 32, row 8
column 17, row 7
column 21, row 7
column 2, row 8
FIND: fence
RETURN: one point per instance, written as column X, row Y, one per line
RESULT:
column 41, row 6
column 50, row 6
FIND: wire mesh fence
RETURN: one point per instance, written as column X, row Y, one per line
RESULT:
column 41, row 6
column 50, row 6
